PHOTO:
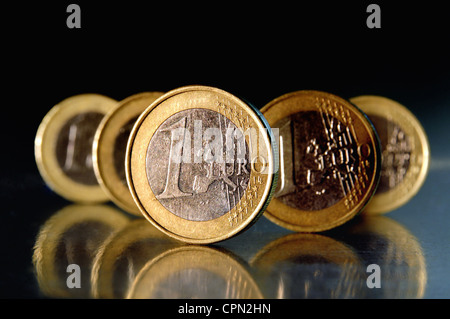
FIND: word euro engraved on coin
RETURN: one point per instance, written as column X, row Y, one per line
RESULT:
column 110, row 145
column 200, row 164
column 63, row 146
column 329, row 160
column 175, row 184
column 405, row 152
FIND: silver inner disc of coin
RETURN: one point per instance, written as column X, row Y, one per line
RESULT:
column 74, row 147
column 396, row 148
column 198, row 164
column 321, row 161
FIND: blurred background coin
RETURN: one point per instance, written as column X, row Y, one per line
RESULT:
column 201, row 164
column 110, row 145
column 63, row 147
column 329, row 160
column 405, row 152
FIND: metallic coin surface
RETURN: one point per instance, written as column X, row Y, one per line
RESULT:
column 196, row 176
column 329, row 160
column 110, row 144
column 200, row 164
column 63, row 146
column 405, row 152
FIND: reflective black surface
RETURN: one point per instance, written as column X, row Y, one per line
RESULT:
column 123, row 257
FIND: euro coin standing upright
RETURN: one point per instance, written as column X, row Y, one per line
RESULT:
column 110, row 145
column 329, row 160
column 63, row 147
column 405, row 152
column 201, row 164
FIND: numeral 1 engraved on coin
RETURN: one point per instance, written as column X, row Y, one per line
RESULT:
column 201, row 164
column 64, row 147
column 218, row 176
column 171, row 188
column 74, row 147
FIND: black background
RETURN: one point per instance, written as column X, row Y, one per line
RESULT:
column 256, row 50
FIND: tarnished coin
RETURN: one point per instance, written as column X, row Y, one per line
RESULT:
column 201, row 164
column 110, row 144
column 405, row 152
column 329, row 160
column 63, row 147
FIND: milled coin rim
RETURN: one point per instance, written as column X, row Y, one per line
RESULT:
column 103, row 148
column 412, row 182
column 45, row 145
column 198, row 232
column 336, row 215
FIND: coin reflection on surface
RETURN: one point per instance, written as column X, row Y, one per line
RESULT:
column 194, row 272
column 309, row 266
column 72, row 236
column 382, row 241
column 110, row 145
column 122, row 257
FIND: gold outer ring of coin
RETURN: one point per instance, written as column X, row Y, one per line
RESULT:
column 104, row 148
column 352, row 204
column 232, row 222
column 419, row 158
column 46, row 141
